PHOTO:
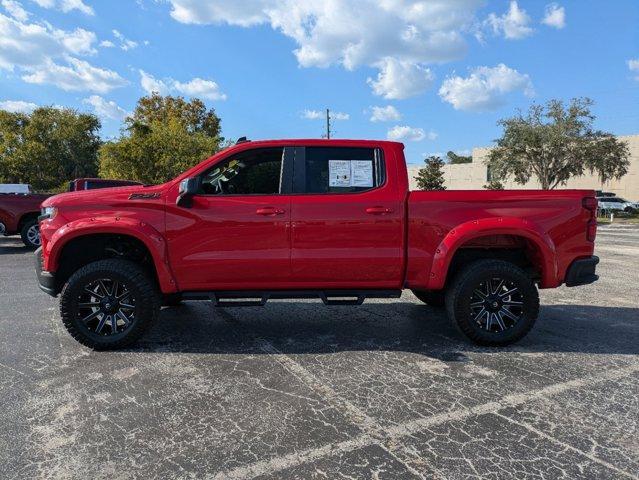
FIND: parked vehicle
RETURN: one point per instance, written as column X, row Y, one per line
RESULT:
column 610, row 204
column 19, row 216
column 15, row 188
column 93, row 183
column 310, row 218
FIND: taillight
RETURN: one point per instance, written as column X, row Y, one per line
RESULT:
column 591, row 204
column 591, row 232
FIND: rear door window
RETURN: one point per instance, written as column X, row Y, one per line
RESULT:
column 338, row 170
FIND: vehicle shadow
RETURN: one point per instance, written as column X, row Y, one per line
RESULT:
column 308, row 328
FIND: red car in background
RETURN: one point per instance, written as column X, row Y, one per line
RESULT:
column 19, row 211
column 94, row 183
column 19, row 216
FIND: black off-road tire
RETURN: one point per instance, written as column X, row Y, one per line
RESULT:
column 458, row 300
column 25, row 233
column 436, row 299
column 141, row 286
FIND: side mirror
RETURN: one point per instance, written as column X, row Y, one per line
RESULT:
column 188, row 188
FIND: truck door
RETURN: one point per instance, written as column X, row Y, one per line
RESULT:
column 235, row 234
column 347, row 219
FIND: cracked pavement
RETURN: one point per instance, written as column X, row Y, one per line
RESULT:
column 298, row 390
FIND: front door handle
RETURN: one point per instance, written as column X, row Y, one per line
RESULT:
column 378, row 210
column 269, row 211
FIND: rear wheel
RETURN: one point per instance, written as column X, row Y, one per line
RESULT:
column 493, row 302
column 30, row 233
column 109, row 304
column 434, row 298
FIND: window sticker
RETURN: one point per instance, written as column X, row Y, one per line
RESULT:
column 339, row 173
column 361, row 173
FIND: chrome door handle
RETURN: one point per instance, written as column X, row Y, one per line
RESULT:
column 378, row 210
column 269, row 211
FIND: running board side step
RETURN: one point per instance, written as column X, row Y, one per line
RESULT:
column 260, row 298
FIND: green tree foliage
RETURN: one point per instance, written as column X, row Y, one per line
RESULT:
column 48, row 147
column 555, row 142
column 494, row 185
column 456, row 159
column 163, row 137
column 431, row 176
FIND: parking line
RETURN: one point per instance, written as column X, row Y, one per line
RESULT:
column 567, row 446
column 278, row 464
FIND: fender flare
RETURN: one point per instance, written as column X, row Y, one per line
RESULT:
column 470, row 230
column 142, row 231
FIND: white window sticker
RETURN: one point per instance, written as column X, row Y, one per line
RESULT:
column 361, row 173
column 339, row 173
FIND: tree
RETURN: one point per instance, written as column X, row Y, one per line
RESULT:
column 431, row 177
column 48, row 147
column 555, row 143
column 455, row 159
column 163, row 137
column 494, row 185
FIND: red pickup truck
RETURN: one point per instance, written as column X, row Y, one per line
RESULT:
column 331, row 219
column 19, row 216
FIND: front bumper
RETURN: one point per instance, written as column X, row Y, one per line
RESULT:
column 46, row 280
column 582, row 272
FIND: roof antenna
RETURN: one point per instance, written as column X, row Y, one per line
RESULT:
column 242, row 140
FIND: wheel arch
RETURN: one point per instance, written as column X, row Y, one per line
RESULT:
column 466, row 234
column 98, row 228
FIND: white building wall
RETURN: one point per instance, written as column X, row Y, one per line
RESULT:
column 473, row 176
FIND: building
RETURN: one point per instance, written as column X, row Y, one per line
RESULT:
column 473, row 176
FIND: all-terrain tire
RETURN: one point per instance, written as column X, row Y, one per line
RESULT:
column 462, row 292
column 27, row 233
column 143, row 295
column 432, row 298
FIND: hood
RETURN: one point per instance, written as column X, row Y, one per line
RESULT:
column 100, row 195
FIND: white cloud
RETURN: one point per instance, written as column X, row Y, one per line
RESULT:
column 513, row 24
column 197, row 87
column 317, row 114
column 75, row 75
column 385, row 114
column 150, row 84
column 391, row 35
column 555, row 16
column 18, row 106
column 106, row 108
column 25, row 45
column 125, row 43
column 400, row 79
column 66, row 5
column 403, row 133
column 15, row 10
column 633, row 65
column 485, row 89
column 107, row 44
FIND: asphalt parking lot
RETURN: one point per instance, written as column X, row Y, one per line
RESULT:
column 298, row 390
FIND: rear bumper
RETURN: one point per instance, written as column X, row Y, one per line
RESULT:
column 46, row 280
column 582, row 272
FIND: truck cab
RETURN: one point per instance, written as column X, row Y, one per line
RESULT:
column 331, row 219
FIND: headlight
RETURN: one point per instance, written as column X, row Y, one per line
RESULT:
column 48, row 213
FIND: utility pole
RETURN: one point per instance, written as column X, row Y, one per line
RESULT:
column 328, row 124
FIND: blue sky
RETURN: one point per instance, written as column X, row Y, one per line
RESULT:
column 435, row 74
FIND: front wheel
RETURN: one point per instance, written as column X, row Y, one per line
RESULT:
column 30, row 233
column 109, row 304
column 493, row 303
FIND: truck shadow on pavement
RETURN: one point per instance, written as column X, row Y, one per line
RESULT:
column 13, row 246
column 307, row 328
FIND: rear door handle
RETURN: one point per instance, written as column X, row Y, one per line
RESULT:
column 269, row 211
column 378, row 210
